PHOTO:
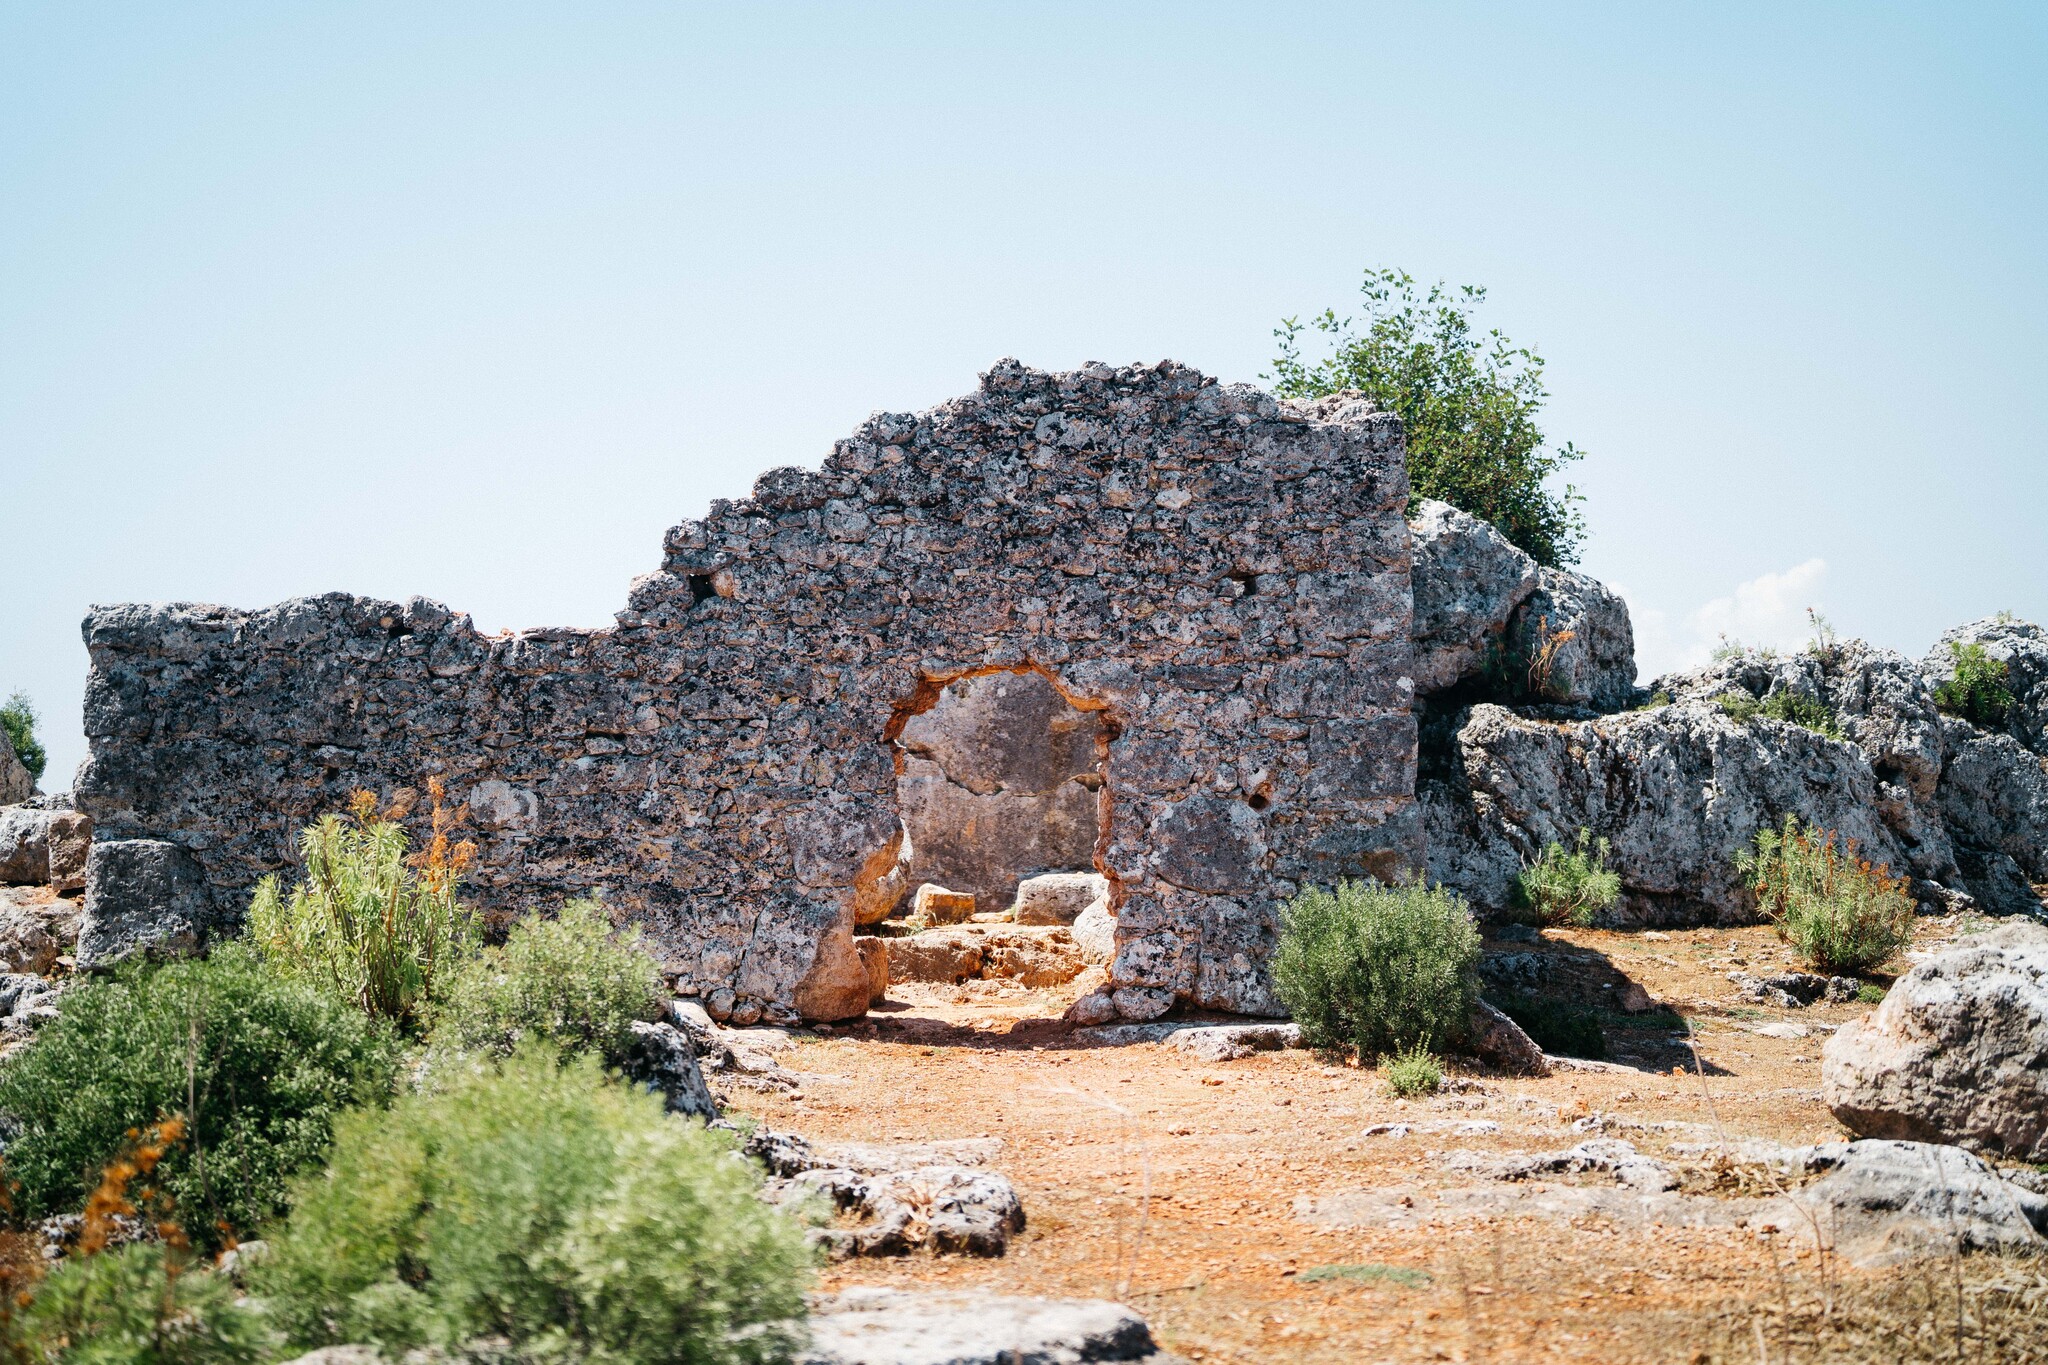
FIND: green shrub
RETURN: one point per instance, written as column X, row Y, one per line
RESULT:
column 1842, row 914
column 569, row 980
column 1568, row 885
column 536, row 1200
column 257, row 1064
column 1870, row 993
column 1794, row 708
column 1467, row 403
column 18, row 719
column 1565, row 1030
column 1977, row 690
column 365, row 922
column 1374, row 969
column 1414, row 1071
column 141, row 1304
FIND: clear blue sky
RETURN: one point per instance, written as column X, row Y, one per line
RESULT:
column 475, row 300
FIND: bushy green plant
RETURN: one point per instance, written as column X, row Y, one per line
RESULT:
column 1374, row 969
column 535, row 1200
column 1412, row 1071
column 1976, row 691
column 1842, row 913
column 569, row 980
column 257, row 1064
column 1795, row 708
column 1467, row 402
column 365, row 922
column 146, row 1303
column 1568, row 885
column 18, row 719
column 1870, row 993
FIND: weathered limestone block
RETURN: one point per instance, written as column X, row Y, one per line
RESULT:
column 1957, row 1053
column 1059, row 897
column 1574, row 642
column 25, row 845
column 874, row 959
column 1468, row 582
column 142, row 895
column 1214, row 579
column 939, row 905
column 949, row 956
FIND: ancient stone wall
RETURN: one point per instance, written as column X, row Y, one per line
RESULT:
column 1224, row 579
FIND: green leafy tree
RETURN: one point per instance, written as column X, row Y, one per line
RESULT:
column 18, row 718
column 1468, row 401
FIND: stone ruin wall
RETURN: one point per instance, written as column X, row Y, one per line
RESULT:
column 1223, row 579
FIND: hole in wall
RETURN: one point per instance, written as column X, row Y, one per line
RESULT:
column 1000, row 777
column 701, row 588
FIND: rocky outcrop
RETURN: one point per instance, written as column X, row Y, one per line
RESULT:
column 1489, row 619
column 663, row 1058
column 1678, row 791
column 1957, row 1053
column 1219, row 577
column 895, row 1200
column 1879, row 1203
column 2022, row 647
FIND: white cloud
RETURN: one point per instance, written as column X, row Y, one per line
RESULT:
column 1767, row 610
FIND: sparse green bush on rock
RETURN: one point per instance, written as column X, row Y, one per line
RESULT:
column 259, row 1066
column 365, row 922
column 535, row 1200
column 1375, row 969
column 569, row 980
column 1842, row 913
column 1794, row 708
column 1569, row 886
column 1468, row 404
column 1977, row 690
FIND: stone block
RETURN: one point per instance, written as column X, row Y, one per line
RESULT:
column 936, row 905
column 1058, row 897
column 142, row 895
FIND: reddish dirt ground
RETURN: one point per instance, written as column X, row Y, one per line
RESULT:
column 1170, row 1183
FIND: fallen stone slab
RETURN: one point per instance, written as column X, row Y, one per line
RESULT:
column 1795, row 990
column 902, row 1198
column 1058, row 897
column 142, row 895
column 1880, row 1202
column 1956, row 1053
column 876, row 1326
column 1229, row 1042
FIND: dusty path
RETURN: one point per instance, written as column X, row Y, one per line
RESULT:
column 1172, row 1184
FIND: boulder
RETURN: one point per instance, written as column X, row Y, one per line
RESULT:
column 1993, row 797
column 1467, row 580
column 1573, row 640
column 662, row 1058
column 26, row 943
column 1883, row 1202
column 934, row 904
column 25, row 845
column 1229, row 1042
column 1095, row 933
column 1500, row 1042
column 1059, row 897
column 142, row 895
column 878, row 1326
column 1956, row 1053
column 874, row 958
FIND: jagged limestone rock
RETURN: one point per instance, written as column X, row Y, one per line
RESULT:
column 1956, row 1053
column 1468, row 582
column 1573, row 642
column 2022, row 647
